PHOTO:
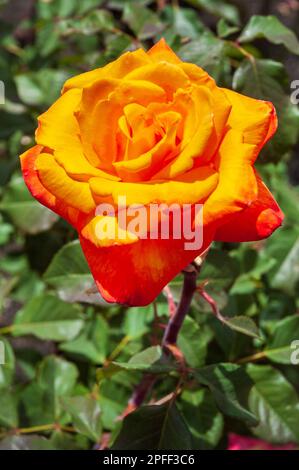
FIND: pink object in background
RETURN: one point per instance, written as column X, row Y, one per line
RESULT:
column 236, row 442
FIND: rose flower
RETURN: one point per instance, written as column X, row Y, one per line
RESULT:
column 155, row 130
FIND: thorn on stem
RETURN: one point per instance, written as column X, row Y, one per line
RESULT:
column 170, row 300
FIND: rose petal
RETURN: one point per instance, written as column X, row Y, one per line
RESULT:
column 168, row 76
column 161, row 51
column 237, row 186
column 135, row 274
column 116, row 69
column 98, row 125
column 183, row 190
column 256, row 119
column 104, row 231
column 201, row 141
column 38, row 191
column 58, row 125
column 57, row 182
column 256, row 222
column 142, row 167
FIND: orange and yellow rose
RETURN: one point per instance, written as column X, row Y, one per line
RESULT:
column 154, row 129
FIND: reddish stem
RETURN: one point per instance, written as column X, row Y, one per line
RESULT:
column 170, row 336
column 170, row 300
column 212, row 303
column 176, row 321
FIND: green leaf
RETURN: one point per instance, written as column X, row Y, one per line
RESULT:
column 148, row 357
column 277, row 306
column 29, row 91
column 287, row 276
column 275, row 402
column 55, row 378
column 6, row 286
column 224, row 29
column 13, row 123
column 278, row 248
column 150, row 360
column 267, row 80
column 7, row 370
column 28, row 285
column 48, row 318
column 202, row 417
column 69, row 273
column 54, row 8
column 8, row 409
column 5, row 232
column 286, row 195
column 116, row 44
column 183, row 22
column 244, row 325
column 142, row 21
column 86, row 415
column 156, row 427
column 57, row 375
column 229, row 385
column 271, row 28
column 113, row 400
column 47, row 38
column 92, row 344
column 218, row 8
column 193, row 341
column 209, row 52
column 86, row 5
column 279, row 347
column 95, row 21
column 136, row 321
column 66, row 441
column 40, row 88
column 33, row 442
column 25, row 212
column 119, row 4
column 254, row 267
column 219, row 267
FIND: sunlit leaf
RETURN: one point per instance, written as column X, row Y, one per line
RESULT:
column 275, row 403
column 47, row 317
column 69, row 273
column 85, row 413
column 229, row 385
column 271, row 28
column 243, row 325
column 24, row 211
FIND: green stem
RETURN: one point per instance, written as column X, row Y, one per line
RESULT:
column 38, row 429
column 6, row 330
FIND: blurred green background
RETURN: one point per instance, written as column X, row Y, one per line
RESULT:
column 60, row 386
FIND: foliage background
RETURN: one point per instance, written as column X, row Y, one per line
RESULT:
column 61, row 387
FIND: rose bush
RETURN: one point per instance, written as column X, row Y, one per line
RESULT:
column 154, row 129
